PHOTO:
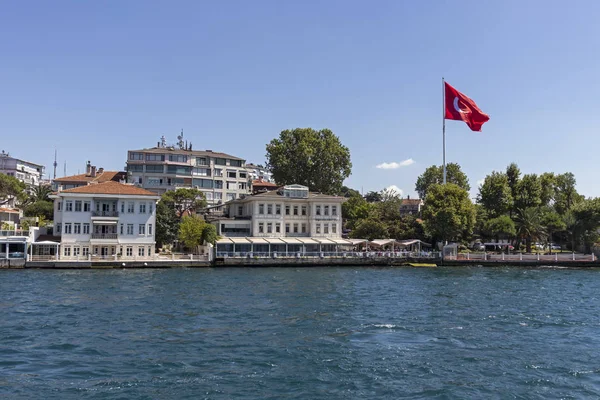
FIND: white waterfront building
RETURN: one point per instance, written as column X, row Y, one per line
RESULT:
column 25, row 171
column 105, row 221
column 288, row 220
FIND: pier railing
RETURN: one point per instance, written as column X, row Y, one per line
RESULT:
column 555, row 257
column 336, row 254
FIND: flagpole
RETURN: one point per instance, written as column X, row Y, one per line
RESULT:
column 444, row 125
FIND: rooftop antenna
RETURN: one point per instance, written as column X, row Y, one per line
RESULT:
column 65, row 170
column 180, row 142
column 55, row 163
column 163, row 141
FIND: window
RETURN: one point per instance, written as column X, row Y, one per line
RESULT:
column 69, row 205
column 59, row 206
column 150, row 208
column 218, row 172
column 231, row 174
column 287, row 210
column 155, row 168
column 318, row 228
column 130, row 229
column 142, row 229
column 201, row 171
column 135, row 168
column 303, row 210
column 67, row 251
column 76, row 251
column 58, row 228
column 318, row 210
column 334, row 210
column 87, row 206
column 295, row 228
column 333, row 228
column 77, row 229
column 235, row 163
column 261, row 227
column 269, row 208
column 325, row 210
column 261, row 208
column 218, row 196
column 68, row 230
column 243, row 175
column 278, row 209
column 287, row 228
column 142, row 208
column 220, row 161
column 269, row 227
column 136, row 156
column 86, row 228
column 230, row 196
column 141, row 251
column 303, row 228
column 131, row 207
column 85, row 251
column 129, row 251
column 295, row 210
column 155, row 157
column 278, row 227
column 121, row 228
column 177, row 158
column 231, row 185
column 241, row 185
column 149, row 229
column 179, row 170
column 78, row 205
column 218, row 184
column 201, row 161
column 122, row 207
column 325, row 228
column 202, row 183
column 240, row 210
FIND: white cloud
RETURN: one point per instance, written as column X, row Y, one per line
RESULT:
column 394, row 189
column 395, row 165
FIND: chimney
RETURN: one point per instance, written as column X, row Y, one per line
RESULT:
column 93, row 171
column 408, row 196
column 88, row 168
column 100, row 171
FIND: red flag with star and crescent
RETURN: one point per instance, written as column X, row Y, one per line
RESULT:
column 460, row 107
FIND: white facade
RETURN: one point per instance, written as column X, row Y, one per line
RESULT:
column 290, row 212
column 103, row 225
column 259, row 172
column 27, row 172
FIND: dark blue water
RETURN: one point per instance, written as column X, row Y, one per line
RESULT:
column 308, row 333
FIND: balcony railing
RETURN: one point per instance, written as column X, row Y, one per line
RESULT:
column 105, row 213
column 104, row 235
column 17, row 232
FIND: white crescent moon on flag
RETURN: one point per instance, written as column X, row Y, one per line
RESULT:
column 456, row 106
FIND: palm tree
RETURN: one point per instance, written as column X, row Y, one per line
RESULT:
column 39, row 193
column 529, row 225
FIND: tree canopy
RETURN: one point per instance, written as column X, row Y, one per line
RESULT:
column 184, row 200
column 11, row 187
column 435, row 175
column 316, row 159
column 448, row 213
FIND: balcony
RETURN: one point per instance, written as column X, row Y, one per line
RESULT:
column 104, row 236
column 114, row 214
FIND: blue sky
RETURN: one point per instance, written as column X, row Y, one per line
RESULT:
column 94, row 79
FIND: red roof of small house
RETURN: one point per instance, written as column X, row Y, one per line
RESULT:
column 100, row 177
column 111, row 187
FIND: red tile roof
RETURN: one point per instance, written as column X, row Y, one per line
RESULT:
column 9, row 210
column 105, row 176
column 111, row 187
column 411, row 202
column 260, row 182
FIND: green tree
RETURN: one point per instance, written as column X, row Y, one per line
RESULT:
column 167, row 222
column 529, row 225
column 565, row 193
column 39, row 193
column 513, row 173
column 347, row 192
column 548, row 183
column 11, row 188
column 354, row 209
column 448, row 213
column 369, row 229
column 209, row 234
column 495, row 194
column 373, row 197
column 405, row 227
column 435, row 175
column 316, row 159
column 529, row 192
column 190, row 231
column 40, row 208
column 587, row 216
column 502, row 226
column 553, row 222
column 184, row 200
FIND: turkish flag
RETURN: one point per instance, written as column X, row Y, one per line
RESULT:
column 460, row 107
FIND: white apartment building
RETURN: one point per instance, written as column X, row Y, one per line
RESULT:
column 289, row 217
column 105, row 221
column 25, row 171
column 221, row 177
column 258, row 172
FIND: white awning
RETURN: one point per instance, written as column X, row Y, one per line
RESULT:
column 356, row 241
column 305, row 240
column 46, row 242
column 382, row 242
column 291, row 240
column 324, row 241
column 104, row 222
column 344, row 242
column 258, row 240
